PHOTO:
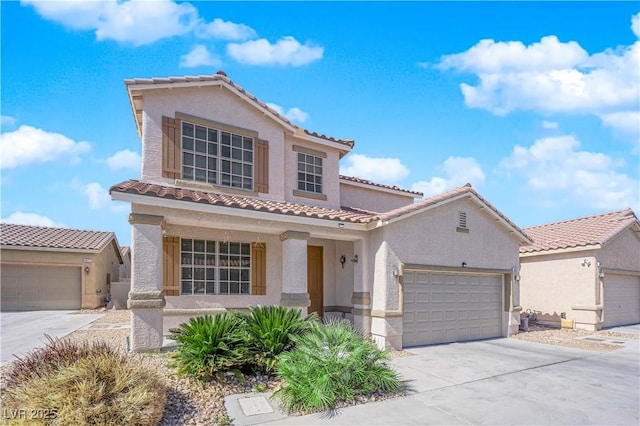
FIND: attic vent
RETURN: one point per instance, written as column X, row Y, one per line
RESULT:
column 462, row 222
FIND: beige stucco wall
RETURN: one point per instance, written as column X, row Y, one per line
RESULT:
column 372, row 199
column 623, row 252
column 211, row 103
column 94, row 283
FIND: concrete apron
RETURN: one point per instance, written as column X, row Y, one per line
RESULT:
column 501, row 381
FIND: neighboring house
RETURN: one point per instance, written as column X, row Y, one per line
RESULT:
column 587, row 269
column 238, row 206
column 56, row 268
column 125, row 268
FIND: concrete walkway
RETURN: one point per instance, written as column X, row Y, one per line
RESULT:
column 496, row 382
column 22, row 332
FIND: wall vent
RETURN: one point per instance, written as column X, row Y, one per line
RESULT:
column 462, row 222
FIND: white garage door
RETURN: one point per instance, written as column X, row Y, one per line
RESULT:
column 621, row 300
column 449, row 307
column 27, row 288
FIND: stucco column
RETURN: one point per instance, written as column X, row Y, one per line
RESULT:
column 294, row 271
column 361, row 297
column 386, row 302
column 146, row 298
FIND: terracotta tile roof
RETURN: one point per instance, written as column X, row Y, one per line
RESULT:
column 580, row 232
column 222, row 76
column 368, row 182
column 53, row 238
column 125, row 251
column 240, row 202
column 344, row 214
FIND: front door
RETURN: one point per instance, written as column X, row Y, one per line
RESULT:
column 315, row 278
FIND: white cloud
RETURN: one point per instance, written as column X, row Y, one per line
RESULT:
column 626, row 123
column 138, row 22
column 28, row 145
column 635, row 24
column 199, row 56
column 549, row 76
column 556, row 168
column 549, row 124
column 293, row 114
column 98, row 196
column 124, row 159
column 7, row 120
column 286, row 51
column 458, row 171
column 381, row 170
column 34, row 219
column 226, row 30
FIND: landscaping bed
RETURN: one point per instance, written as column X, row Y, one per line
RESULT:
column 602, row 341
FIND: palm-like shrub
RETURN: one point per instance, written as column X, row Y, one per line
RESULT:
column 270, row 330
column 83, row 384
column 330, row 364
column 208, row 345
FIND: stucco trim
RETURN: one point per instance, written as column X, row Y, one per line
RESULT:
column 146, row 300
column 376, row 313
column 361, row 312
column 343, row 309
column 216, row 188
column 295, row 300
column 216, row 124
column 361, row 298
column 192, row 312
column 516, row 309
column 145, row 219
column 463, row 230
column 312, row 195
column 456, row 269
column 587, row 307
column 309, row 151
column 613, row 271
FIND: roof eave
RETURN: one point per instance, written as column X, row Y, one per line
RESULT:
column 561, row 250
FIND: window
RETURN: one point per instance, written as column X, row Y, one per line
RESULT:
column 309, row 173
column 214, row 267
column 216, row 156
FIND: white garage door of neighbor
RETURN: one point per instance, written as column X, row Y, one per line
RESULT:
column 621, row 300
column 448, row 307
column 30, row 288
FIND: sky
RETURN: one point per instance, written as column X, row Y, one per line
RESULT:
column 537, row 105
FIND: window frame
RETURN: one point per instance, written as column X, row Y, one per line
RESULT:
column 217, row 155
column 307, row 166
column 214, row 260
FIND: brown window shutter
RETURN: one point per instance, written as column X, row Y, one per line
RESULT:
column 171, row 266
column 261, row 166
column 171, row 148
column 258, row 269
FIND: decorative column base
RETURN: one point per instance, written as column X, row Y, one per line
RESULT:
column 146, row 320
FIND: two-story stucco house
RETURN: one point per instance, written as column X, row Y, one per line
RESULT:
column 238, row 206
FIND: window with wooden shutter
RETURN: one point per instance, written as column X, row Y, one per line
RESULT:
column 171, row 148
column 171, row 266
column 258, row 269
column 261, row 164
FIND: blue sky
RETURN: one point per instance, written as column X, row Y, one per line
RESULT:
column 535, row 104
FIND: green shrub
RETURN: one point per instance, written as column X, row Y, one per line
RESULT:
column 208, row 345
column 270, row 330
column 82, row 384
column 330, row 364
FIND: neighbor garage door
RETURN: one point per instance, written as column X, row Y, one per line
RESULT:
column 621, row 300
column 26, row 288
column 450, row 307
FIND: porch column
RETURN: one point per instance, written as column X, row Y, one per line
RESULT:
column 146, row 298
column 361, row 298
column 294, row 271
column 387, row 300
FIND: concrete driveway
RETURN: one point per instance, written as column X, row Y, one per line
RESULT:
column 496, row 382
column 21, row 332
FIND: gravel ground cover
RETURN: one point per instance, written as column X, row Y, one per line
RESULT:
column 192, row 403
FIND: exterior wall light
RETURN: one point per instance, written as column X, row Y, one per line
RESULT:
column 354, row 259
column 86, row 269
column 342, row 260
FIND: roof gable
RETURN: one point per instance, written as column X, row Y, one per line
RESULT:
column 580, row 233
column 136, row 86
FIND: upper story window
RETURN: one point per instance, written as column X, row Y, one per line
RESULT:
column 309, row 173
column 216, row 156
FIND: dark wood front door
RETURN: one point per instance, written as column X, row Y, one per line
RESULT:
column 315, row 278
